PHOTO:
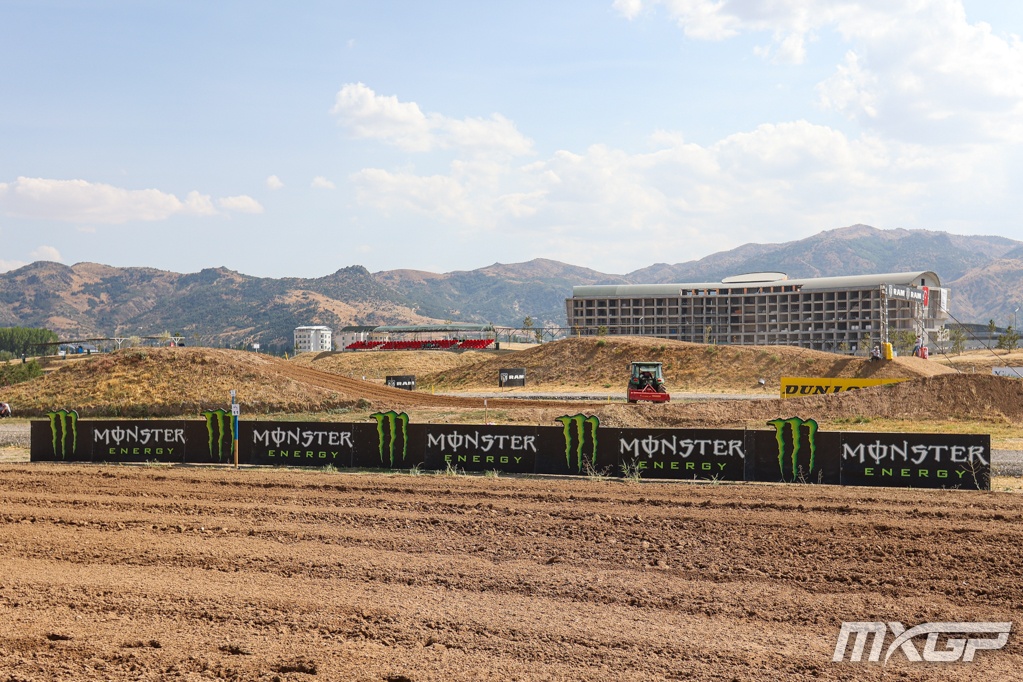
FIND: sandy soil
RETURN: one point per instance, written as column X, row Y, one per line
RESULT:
column 147, row 573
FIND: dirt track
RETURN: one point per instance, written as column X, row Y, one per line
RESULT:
column 188, row 573
column 385, row 395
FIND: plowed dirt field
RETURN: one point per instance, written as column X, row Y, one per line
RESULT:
column 152, row 573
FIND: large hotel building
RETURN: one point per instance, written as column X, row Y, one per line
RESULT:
column 766, row 308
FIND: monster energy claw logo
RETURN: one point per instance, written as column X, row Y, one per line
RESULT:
column 66, row 418
column 392, row 419
column 795, row 425
column 580, row 421
column 220, row 422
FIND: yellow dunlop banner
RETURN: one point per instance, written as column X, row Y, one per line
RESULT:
column 797, row 387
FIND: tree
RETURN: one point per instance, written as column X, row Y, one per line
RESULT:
column 527, row 324
column 27, row 340
column 991, row 329
column 957, row 337
column 1008, row 340
column 903, row 341
column 864, row 344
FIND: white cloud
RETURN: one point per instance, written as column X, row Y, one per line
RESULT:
column 774, row 183
column 82, row 201
column 46, row 253
column 629, row 8
column 436, row 195
column 79, row 201
column 8, row 265
column 404, row 125
column 273, row 182
column 320, row 182
column 916, row 69
column 240, row 204
column 199, row 204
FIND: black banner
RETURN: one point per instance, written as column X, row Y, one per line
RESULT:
column 796, row 452
column 140, row 441
column 509, row 449
column 59, row 439
column 681, row 454
column 512, row 377
column 314, row 444
column 575, row 447
column 403, row 381
column 793, row 452
column 916, row 460
column 390, row 442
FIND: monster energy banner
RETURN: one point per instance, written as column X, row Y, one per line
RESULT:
column 791, row 450
column 575, row 447
column 58, row 439
column 511, row 449
column 313, row 444
column 795, row 451
column 917, row 460
column 688, row 454
column 145, row 441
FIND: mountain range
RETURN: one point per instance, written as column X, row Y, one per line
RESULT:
column 218, row 306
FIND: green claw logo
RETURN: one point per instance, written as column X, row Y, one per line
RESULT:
column 66, row 418
column 219, row 421
column 580, row 421
column 795, row 425
column 392, row 419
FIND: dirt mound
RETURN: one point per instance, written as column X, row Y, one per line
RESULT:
column 981, row 361
column 377, row 365
column 973, row 397
column 589, row 363
column 154, row 382
column 170, row 381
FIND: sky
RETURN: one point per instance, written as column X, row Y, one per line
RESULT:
column 292, row 139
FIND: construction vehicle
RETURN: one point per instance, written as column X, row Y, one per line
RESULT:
column 646, row 383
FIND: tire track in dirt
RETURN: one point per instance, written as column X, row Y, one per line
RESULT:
column 396, row 396
column 442, row 577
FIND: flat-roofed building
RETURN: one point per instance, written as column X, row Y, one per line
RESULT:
column 824, row 313
column 313, row 339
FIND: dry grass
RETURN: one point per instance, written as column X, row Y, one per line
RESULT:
column 183, row 381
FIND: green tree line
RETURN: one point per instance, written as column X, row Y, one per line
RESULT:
column 27, row 340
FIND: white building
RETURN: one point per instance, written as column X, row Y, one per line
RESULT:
column 768, row 308
column 313, row 339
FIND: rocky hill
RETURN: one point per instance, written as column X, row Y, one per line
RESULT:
column 220, row 307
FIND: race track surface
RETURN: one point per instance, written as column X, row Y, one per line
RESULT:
column 155, row 573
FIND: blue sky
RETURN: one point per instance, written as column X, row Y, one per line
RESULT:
column 294, row 139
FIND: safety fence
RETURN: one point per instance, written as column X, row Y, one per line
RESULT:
column 789, row 450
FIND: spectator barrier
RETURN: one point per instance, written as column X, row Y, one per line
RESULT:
column 791, row 450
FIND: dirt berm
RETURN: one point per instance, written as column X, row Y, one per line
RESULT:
column 151, row 382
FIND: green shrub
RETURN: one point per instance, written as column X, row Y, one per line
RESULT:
column 19, row 372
